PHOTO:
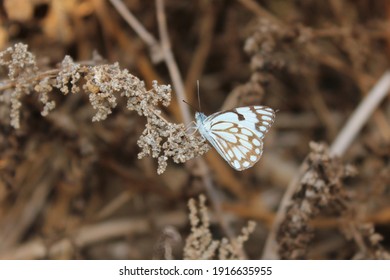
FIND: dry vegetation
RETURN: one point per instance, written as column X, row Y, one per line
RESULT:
column 97, row 161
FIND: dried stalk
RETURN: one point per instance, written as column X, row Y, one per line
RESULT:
column 338, row 148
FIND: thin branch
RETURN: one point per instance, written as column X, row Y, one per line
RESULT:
column 270, row 251
column 88, row 235
column 134, row 23
column 361, row 115
column 171, row 63
column 259, row 11
column 199, row 57
column 163, row 49
column 7, row 84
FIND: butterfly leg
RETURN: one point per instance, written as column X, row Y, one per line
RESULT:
column 191, row 126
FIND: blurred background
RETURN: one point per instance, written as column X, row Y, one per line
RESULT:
column 71, row 188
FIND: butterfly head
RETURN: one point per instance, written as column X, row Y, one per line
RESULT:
column 199, row 117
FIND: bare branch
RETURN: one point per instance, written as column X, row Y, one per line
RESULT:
column 171, row 63
column 134, row 23
column 361, row 115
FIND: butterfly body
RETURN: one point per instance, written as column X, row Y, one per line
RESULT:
column 237, row 134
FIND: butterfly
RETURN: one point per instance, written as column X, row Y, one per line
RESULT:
column 237, row 134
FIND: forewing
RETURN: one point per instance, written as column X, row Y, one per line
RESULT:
column 258, row 119
column 237, row 134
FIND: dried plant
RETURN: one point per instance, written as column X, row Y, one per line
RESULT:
column 160, row 139
column 169, row 239
column 367, row 240
column 322, row 191
column 321, row 188
column 200, row 244
column 314, row 61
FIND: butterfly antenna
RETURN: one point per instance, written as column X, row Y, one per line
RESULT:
column 200, row 108
column 193, row 107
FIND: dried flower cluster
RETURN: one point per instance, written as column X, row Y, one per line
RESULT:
column 321, row 188
column 103, row 84
column 200, row 244
column 322, row 192
column 271, row 48
column 21, row 66
column 368, row 241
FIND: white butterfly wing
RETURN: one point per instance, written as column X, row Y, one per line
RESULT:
column 237, row 134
